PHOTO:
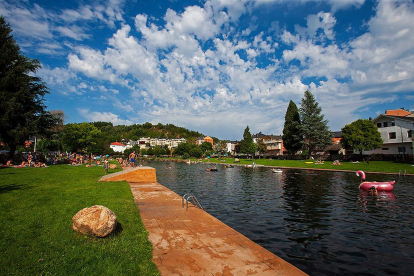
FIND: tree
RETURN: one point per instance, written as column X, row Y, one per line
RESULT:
column 314, row 128
column 361, row 135
column 45, row 145
column 158, row 151
column 196, row 152
column 183, row 148
column 135, row 148
column 22, row 111
column 206, row 146
column 261, row 146
column 292, row 136
column 247, row 145
column 80, row 137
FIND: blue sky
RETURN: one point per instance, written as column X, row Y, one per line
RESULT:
column 217, row 66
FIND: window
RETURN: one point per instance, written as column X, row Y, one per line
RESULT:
column 392, row 135
column 393, row 123
column 378, row 125
column 385, row 124
column 409, row 134
column 384, row 148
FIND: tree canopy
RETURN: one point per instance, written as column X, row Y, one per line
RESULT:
column 206, row 146
column 292, row 135
column 315, row 130
column 246, row 144
column 361, row 135
column 80, row 137
column 22, row 109
column 261, row 146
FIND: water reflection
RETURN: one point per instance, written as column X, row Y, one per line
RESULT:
column 319, row 221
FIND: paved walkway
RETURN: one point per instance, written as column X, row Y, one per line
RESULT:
column 195, row 243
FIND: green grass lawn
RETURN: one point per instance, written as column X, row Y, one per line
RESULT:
column 373, row 166
column 36, row 235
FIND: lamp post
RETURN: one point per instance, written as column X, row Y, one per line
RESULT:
column 402, row 141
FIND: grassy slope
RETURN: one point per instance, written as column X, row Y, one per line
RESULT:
column 373, row 166
column 36, row 235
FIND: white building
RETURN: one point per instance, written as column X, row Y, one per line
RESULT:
column 118, row 147
column 396, row 128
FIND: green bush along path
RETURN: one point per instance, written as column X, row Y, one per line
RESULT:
column 36, row 235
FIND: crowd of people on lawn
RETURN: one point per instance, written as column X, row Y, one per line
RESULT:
column 38, row 160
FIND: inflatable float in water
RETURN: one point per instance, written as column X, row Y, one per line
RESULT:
column 379, row 186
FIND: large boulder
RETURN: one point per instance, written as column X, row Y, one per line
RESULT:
column 113, row 166
column 97, row 220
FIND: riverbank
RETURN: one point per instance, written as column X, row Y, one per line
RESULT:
column 36, row 237
column 383, row 167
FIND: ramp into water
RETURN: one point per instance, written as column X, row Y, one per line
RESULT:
column 192, row 242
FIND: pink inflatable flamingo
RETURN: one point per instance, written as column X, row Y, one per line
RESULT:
column 379, row 186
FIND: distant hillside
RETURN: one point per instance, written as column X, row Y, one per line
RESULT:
column 134, row 132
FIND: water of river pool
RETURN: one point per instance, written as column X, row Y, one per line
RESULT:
column 317, row 220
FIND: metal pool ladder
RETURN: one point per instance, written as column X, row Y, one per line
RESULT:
column 188, row 197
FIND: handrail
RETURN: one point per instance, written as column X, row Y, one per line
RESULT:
column 400, row 173
column 188, row 197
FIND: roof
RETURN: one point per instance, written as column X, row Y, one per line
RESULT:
column 258, row 135
column 334, row 147
column 406, row 118
column 397, row 112
column 117, row 144
column 337, row 134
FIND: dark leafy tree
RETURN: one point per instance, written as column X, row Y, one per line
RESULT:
column 361, row 135
column 247, row 145
column 183, row 148
column 80, row 137
column 292, row 135
column 315, row 130
column 158, row 151
column 22, row 109
column 206, row 146
column 261, row 146
column 45, row 145
column 150, row 151
column 196, row 152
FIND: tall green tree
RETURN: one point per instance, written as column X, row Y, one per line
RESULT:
column 261, row 146
column 196, row 152
column 22, row 110
column 80, row 137
column 183, row 148
column 361, row 135
column 246, row 144
column 206, row 146
column 292, row 134
column 314, row 128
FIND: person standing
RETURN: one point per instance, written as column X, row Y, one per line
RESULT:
column 132, row 158
column 29, row 159
column 106, row 165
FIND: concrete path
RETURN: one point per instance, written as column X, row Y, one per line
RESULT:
column 195, row 243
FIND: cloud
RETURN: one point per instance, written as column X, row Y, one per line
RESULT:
column 27, row 22
column 108, row 12
column 206, row 68
column 95, row 116
column 72, row 32
column 383, row 57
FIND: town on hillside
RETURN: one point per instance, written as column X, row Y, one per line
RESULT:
column 395, row 127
